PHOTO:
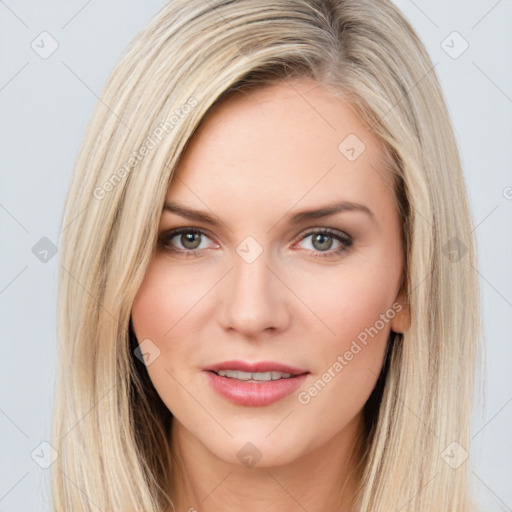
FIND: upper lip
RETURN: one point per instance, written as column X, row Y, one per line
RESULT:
column 257, row 367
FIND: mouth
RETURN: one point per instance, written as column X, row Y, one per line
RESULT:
column 255, row 377
column 255, row 384
column 262, row 371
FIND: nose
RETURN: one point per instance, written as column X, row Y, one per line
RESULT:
column 254, row 298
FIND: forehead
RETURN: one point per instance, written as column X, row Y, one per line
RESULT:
column 288, row 142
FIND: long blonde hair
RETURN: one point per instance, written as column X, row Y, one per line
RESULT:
column 109, row 426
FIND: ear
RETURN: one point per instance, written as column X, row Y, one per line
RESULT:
column 402, row 320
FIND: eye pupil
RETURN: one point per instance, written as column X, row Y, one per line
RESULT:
column 187, row 238
column 321, row 237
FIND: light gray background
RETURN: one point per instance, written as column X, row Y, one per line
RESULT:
column 45, row 107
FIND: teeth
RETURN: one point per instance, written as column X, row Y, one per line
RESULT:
column 266, row 376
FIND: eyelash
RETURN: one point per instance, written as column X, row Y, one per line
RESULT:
column 345, row 240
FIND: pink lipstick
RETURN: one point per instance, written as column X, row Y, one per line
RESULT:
column 254, row 384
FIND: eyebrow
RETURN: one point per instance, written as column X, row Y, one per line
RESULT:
column 297, row 218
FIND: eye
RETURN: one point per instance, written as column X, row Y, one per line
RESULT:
column 322, row 241
column 188, row 238
column 190, row 241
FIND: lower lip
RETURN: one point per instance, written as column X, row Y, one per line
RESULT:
column 254, row 394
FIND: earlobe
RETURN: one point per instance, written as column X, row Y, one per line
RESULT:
column 402, row 319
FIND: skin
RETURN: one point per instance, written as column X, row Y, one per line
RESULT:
column 255, row 160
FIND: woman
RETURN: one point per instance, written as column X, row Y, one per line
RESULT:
column 267, row 294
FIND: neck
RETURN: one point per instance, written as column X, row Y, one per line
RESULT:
column 325, row 479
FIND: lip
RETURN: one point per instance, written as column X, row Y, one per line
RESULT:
column 254, row 394
column 257, row 367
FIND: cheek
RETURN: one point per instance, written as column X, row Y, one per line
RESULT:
column 164, row 298
column 159, row 313
column 165, row 311
column 354, row 303
column 349, row 356
column 357, row 309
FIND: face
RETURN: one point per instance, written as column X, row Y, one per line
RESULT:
column 318, row 293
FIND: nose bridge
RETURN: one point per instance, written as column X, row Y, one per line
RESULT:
column 253, row 298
